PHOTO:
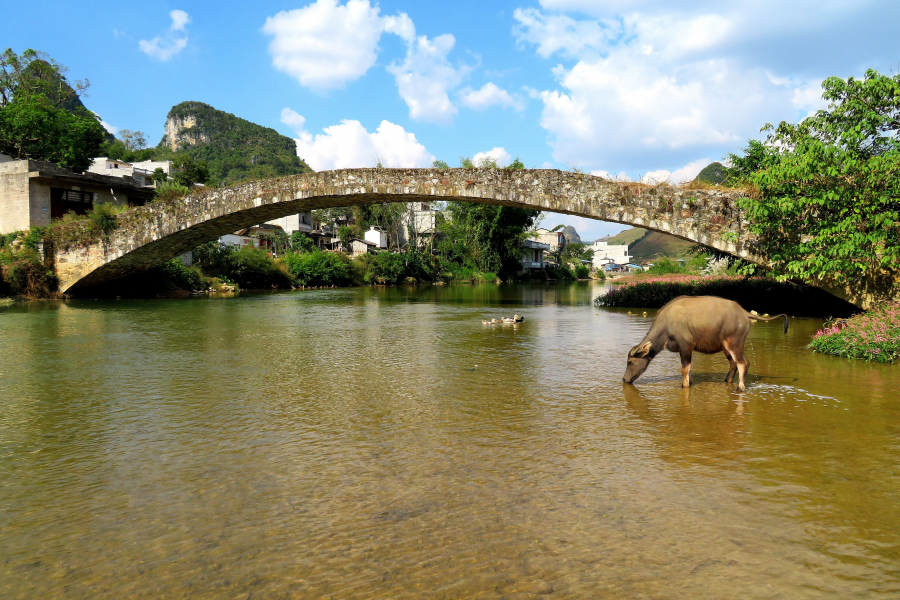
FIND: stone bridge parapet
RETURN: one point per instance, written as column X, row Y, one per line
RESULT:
column 149, row 235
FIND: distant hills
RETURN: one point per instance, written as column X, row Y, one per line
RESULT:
column 233, row 148
column 712, row 173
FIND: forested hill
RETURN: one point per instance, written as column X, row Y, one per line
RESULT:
column 233, row 148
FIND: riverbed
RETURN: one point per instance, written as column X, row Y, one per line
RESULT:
column 384, row 443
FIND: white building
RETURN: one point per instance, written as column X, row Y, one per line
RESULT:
column 118, row 168
column 555, row 239
column 421, row 219
column 377, row 237
column 605, row 254
column 302, row 222
column 239, row 240
column 533, row 254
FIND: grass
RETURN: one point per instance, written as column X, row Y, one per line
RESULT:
column 872, row 336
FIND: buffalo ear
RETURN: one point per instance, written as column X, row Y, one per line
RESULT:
column 642, row 350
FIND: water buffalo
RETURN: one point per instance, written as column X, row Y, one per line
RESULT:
column 706, row 324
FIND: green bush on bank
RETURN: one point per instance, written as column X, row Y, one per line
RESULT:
column 21, row 271
column 753, row 293
column 319, row 268
column 183, row 277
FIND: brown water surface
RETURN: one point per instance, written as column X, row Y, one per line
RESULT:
column 383, row 443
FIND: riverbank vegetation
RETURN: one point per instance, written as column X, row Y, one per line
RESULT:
column 764, row 295
column 873, row 336
column 22, row 273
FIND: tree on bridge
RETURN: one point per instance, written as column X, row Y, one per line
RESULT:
column 828, row 201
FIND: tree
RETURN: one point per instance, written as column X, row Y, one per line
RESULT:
column 828, row 202
column 189, row 171
column 40, row 115
column 159, row 176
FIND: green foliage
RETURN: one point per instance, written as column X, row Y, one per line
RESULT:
column 21, row 271
column 40, row 115
column 757, row 293
column 582, row 271
column 664, row 266
column 300, row 242
column 189, row 171
column 439, row 164
column 319, row 268
column 184, row 277
column 345, row 234
column 170, row 190
column 249, row 267
column 234, row 149
column 484, row 237
column 31, row 127
column 102, row 218
column 159, row 176
column 828, row 206
column 872, row 336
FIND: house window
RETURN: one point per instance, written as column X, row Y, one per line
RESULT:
column 65, row 201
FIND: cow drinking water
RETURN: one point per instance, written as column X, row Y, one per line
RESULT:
column 707, row 324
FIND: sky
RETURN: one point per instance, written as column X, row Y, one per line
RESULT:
column 638, row 89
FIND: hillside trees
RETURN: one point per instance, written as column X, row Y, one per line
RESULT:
column 828, row 206
column 41, row 117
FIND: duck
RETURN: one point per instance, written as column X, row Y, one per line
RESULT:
column 645, row 313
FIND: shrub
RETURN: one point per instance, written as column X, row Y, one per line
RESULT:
column 756, row 293
column 872, row 336
column 170, row 190
column 102, row 218
column 184, row 277
column 319, row 268
column 252, row 267
column 29, row 278
column 664, row 266
column 582, row 271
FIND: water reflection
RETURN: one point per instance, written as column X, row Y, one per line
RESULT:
column 378, row 443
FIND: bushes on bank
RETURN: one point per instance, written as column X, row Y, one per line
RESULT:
column 872, row 336
column 319, row 268
column 756, row 293
column 183, row 277
column 21, row 271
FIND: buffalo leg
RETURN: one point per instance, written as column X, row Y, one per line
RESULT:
column 743, row 365
column 732, row 367
column 686, row 369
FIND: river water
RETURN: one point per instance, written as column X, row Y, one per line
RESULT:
column 383, row 443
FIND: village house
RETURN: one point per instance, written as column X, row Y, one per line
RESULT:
column 606, row 254
column 420, row 220
column 142, row 172
column 533, row 254
column 32, row 193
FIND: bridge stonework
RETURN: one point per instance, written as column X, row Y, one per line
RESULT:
column 149, row 235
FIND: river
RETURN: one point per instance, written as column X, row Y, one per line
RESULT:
column 383, row 443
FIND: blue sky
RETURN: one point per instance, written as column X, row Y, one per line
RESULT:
column 639, row 88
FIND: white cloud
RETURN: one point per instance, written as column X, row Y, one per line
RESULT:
column 179, row 20
column 294, row 120
column 560, row 33
column 350, row 145
column 500, row 155
column 166, row 46
column 426, row 76
column 325, row 45
column 654, row 95
column 109, row 128
column 686, row 173
column 490, row 95
column 402, row 26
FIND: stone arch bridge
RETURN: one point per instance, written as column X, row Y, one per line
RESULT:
column 149, row 235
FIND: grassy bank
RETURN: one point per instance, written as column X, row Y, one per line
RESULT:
column 872, row 336
column 752, row 293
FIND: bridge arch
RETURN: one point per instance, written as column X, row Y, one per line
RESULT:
column 149, row 235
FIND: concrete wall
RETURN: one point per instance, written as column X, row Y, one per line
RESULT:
column 15, row 210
